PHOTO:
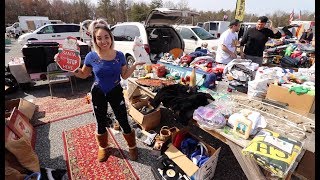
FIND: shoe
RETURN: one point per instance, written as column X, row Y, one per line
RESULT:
column 102, row 140
column 131, row 141
column 150, row 138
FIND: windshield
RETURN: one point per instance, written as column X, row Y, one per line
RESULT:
column 202, row 33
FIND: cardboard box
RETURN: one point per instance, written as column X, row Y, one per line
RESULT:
column 148, row 121
column 205, row 172
column 302, row 104
column 24, row 106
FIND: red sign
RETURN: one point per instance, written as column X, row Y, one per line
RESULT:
column 69, row 55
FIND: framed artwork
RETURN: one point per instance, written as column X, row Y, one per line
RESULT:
column 19, row 124
column 10, row 135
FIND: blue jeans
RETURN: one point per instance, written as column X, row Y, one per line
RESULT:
column 100, row 107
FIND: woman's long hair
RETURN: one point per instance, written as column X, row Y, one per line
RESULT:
column 94, row 26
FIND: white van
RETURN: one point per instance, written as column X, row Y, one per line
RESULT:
column 195, row 36
column 216, row 28
column 157, row 33
column 54, row 32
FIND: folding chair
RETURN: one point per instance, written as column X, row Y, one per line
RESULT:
column 55, row 75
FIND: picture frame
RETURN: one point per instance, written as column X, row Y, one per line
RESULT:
column 10, row 135
column 19, row 124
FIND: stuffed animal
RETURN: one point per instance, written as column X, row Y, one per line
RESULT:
column 139, row 52
column 289, row 50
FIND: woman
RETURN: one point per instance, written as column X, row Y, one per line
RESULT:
column 107, row 65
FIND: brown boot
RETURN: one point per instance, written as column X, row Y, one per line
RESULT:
column 131, row 141
column 102, row 140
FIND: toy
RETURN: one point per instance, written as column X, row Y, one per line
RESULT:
column 140, row 53
column 289, row 50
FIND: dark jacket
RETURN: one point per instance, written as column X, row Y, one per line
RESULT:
column 255, row 40
column 181, row 101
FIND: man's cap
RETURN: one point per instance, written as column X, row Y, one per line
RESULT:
column 234, row 22
column 263, row 19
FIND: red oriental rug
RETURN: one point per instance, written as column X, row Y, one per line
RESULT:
column 81, row 156
column 59, row 107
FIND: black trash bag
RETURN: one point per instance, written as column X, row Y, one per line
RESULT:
column 304, row 62
column 10, row 81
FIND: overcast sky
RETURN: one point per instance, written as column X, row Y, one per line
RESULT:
column 259, row 7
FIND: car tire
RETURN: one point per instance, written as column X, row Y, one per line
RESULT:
column 130, row 60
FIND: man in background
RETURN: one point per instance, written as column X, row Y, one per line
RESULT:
column 255, row 38
column 307, row 36
column 228, row 41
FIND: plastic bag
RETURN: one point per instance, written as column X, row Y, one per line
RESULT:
column 209, row 118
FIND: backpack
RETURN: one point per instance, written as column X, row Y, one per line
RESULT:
column 288, row 62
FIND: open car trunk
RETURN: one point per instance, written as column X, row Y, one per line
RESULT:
column 161, row 40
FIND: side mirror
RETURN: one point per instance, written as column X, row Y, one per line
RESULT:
column 194, row 38
column 39, row 32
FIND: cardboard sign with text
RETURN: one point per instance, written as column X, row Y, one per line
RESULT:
column 69, row 55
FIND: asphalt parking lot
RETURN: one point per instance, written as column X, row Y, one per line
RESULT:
column 12, row 50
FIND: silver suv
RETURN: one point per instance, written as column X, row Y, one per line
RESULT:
column 157, row 33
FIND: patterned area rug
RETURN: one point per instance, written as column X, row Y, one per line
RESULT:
column 59, row 108
column 81, row 156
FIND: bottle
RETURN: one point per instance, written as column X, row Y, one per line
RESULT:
column 193, row 78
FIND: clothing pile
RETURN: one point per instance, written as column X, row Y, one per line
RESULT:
column 297, row 55
column 241, row 72
column 181, row 100
column 200, row 59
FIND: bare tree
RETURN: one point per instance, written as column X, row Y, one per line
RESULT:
column 156, row 4
column 183, row 4
column 169, row 4
column 121, row 10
